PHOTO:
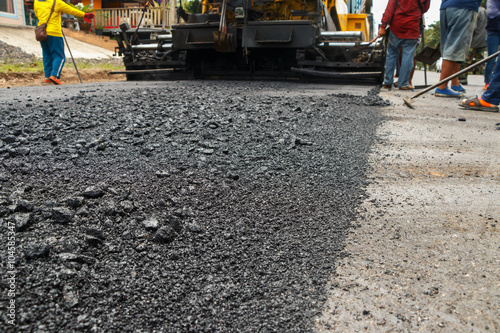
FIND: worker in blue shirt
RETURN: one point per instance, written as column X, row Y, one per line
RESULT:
column 457, row 22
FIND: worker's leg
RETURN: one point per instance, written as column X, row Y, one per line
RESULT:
column 398, row 63
column 47, row 57
column 456, row 26
column 391, row 57
column 449, row 68
column 493, row 41
column 409, row 46
column 492, row 94
column 412, row 72
column 455, row 81
column 58, row 57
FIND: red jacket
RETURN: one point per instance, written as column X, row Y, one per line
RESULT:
column 403, row 16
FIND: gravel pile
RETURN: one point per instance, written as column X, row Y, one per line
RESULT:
column 190, row 207
column 14, row 55
column 10, row 54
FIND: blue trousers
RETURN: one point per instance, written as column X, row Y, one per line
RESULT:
column 53, row 56
column 492, row 94
column 391, row 58
column 493, row 41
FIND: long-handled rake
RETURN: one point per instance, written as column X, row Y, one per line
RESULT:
column 409, row 100
column 74, row 63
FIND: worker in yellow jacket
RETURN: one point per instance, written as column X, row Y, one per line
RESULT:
column 53, row 46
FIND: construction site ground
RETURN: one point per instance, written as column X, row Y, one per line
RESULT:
column 424, row 253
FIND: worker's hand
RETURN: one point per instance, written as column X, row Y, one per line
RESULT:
column 88, row 17
column 381, row 32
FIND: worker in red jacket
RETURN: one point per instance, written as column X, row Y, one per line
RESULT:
column 53, row 46
column 404, row 18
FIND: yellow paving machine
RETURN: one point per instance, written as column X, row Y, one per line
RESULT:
column 258, row 39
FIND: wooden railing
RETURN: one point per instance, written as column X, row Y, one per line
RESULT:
column 108, row 19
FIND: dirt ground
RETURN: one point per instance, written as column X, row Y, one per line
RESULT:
column 69, row 76
column 17, row 46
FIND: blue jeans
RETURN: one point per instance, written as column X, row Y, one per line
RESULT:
column 53, row 56
column 392, row 56
column 492, row 94
column 493, row 41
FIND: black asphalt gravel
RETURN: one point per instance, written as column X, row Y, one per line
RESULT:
column 180, row 206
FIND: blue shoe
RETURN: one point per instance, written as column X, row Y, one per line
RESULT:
column 458, row 88
column 447, row 93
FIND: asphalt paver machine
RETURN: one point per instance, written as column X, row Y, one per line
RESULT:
column 256, row 39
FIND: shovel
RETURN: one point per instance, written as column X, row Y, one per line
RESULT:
column 409, row 100
column 429, row 55
column 222, row 39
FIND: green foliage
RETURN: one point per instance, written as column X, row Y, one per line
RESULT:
column 87, row 64
column 9, row 66
column 36, row 65
column 192, row 6
column 432, row 34
column 432, row 38
column 81, row 7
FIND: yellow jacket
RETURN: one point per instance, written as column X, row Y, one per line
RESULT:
column 42, row 11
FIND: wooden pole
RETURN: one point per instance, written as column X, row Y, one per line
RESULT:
column 171, row 13
column 164, row 18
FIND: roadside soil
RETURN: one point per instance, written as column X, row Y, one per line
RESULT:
column 10, row 54
column 70, row 76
